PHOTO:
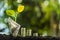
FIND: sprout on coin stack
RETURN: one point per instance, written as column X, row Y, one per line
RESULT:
column 14, row 26
column 14, row 14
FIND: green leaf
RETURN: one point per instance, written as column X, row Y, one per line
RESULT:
column 10, row 13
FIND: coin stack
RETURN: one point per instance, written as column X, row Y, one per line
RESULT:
column 29, row 32
column 23, row 32
column 35, row 34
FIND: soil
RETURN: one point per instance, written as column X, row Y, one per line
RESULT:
column 9, row 37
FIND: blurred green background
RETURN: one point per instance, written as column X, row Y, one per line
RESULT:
column 39, row 15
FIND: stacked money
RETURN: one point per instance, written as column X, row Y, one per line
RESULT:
column 29, row 32
column 14, row 27
column 23, row 32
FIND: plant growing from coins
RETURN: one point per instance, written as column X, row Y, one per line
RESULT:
column 14, row 14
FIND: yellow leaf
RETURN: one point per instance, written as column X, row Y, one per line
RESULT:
column 20, row 8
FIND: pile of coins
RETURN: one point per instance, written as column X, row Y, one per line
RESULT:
column 15, row 27
column 27, row 32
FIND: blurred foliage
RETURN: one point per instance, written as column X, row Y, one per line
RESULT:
column 37, row 13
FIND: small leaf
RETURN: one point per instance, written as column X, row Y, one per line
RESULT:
column 10, row 13
column 20, row 8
